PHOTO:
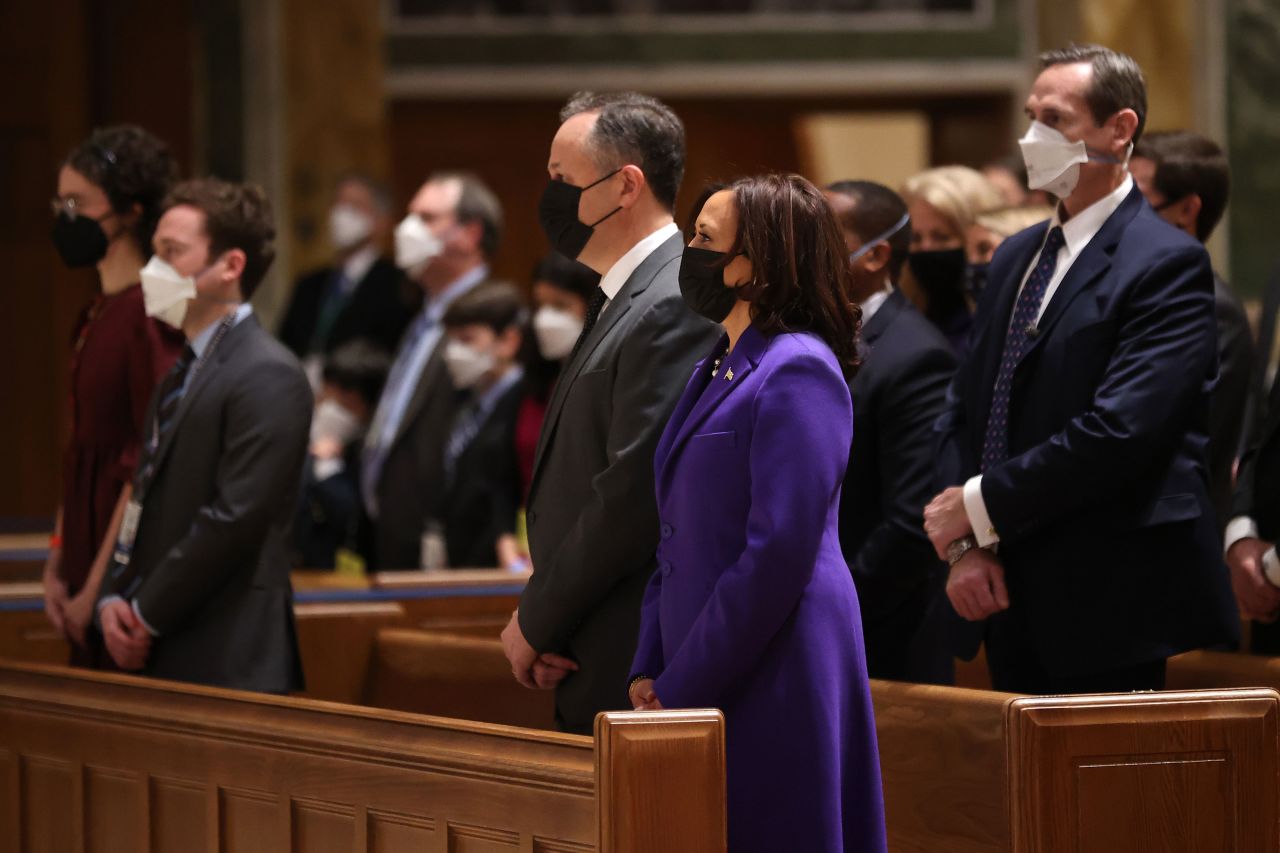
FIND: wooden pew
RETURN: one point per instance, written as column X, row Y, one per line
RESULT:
column 975, row 771
column 1206, row 670
column 453, row 676
column 92, row 761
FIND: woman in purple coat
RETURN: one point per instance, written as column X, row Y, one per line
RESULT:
column 753, row 609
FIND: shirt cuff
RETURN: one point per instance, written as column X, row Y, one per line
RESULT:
column 976, row 508
column 323, row 469
column 136, row 612
column 1240, row 527
column 105, row 600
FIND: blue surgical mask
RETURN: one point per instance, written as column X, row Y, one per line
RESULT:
column 880, row 238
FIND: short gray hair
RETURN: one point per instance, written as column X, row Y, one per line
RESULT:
column 1117, row 82
column 476, row 203
column 638, row 129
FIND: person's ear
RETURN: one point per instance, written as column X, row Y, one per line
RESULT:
column 633, row 184
column 1187, row 211
column 1126, row 125
column 509, row 343
column 233, row 264
column 876, row 260
column 471, row 234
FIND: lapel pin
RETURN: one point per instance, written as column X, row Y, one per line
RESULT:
column 728, row 375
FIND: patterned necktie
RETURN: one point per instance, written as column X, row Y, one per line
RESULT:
column 995, row 445
column 466, row 426
column 594, row 307
column 171, row 390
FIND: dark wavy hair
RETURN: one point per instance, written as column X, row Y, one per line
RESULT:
column 132, row 167
column 800, row 280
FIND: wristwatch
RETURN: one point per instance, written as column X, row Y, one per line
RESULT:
column 959, row 548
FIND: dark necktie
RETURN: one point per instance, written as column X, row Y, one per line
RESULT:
column 171, row 391
column 594, row 308
column 995, row 445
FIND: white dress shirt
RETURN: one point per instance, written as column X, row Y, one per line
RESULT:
column 1077, row 232
column 872, row 303
column 612, row 281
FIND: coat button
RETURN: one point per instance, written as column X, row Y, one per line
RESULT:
column 667, row 531
column 530, row 516
column 665, row 568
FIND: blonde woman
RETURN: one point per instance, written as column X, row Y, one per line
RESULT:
column 943, row 203
column 986, row 234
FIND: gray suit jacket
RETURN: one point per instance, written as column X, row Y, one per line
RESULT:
column 592, row 515
column 212, row 549
column 412, row 479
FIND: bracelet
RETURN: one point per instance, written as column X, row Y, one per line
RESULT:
column 55, row 542
column 635, row 681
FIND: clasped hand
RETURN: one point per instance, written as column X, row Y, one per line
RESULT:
column 126, row 637
column 535, row 671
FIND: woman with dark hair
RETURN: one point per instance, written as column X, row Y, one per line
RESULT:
column 110, row 189
column 753, row 609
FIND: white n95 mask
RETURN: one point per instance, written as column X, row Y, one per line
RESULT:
column 334, row 420
column 466, row 364
column 348, row 226
column 1053, row 162
column 165, row 292
column 557, row 331
column 416, row 244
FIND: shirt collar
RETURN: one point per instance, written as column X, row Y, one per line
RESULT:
column 357, row 266
column 200, row 344
column 490, row 398
column 1084, row 226
column 872, row 303
column 434, row 307
column 618, row 274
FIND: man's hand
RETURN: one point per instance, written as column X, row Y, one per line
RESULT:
column 55, row 592
column 1257, row 598
column 945, row 520
column 976, row 585
column 549, row 670
column 77, row 614
column 642, row 696
column 519, row 653
column 127, row 640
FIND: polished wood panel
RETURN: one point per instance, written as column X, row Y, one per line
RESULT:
column 1169, row 771
column 630, row 760
column 1209, row 670
column 453, row 676
column 942, row 762
column 336, row 640
column 278, row 773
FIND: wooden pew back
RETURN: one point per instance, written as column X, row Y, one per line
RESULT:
column 111, row 762
column 451, row 676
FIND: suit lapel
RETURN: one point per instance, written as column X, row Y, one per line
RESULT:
column 883, row 318
column 738, row 365
column 1092, row 264
column 636, row 284
column 201, row 380
column 430, row 378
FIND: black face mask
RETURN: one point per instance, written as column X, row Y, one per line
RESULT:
column 80, row 240
column 975, row 279
column 940, row 275
column 702, row 284
column 558, row 215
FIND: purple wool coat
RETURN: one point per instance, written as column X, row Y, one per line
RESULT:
column 752, row 609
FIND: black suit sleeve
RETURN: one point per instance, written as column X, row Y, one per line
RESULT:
column 265, row 431
column 909, row 404
column 616, row 531
column 1230, row 397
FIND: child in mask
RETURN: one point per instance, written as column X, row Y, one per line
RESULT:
column 329, row 528
column 482, row 495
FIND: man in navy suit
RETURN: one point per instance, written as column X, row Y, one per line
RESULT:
column 1080, row 526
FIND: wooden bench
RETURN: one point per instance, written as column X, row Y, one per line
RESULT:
column 92, row 761
column 975, row 771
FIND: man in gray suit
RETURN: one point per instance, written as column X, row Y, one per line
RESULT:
column 444, row 244
column 198, row 589
column 615, row 166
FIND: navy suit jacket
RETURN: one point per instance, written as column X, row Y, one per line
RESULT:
column 1109, row 541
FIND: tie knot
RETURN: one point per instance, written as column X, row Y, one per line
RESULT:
column 1055, row 240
